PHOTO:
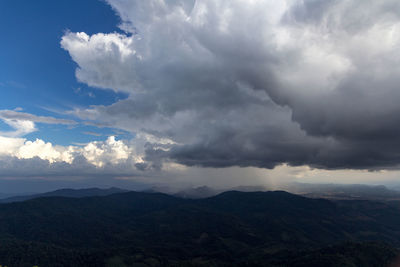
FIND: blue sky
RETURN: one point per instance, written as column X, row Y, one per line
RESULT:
column 37, row 75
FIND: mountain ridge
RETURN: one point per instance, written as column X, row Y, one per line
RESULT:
column 67, row 192
column 236, row 227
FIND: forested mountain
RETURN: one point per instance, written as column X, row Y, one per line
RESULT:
column 75, row 193
column 233, row 228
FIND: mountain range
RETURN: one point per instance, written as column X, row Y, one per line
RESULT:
column 233, row 228
column 74, row 193
column 327, row 191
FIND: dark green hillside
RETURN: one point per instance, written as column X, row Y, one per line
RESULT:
column 233, row 228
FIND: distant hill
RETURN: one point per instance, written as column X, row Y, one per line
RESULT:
column 197, row 192
column 205, row 191
column 232, row 228
column 5, row 195
column 327, row 191
column 344, row 191
column 74, row 193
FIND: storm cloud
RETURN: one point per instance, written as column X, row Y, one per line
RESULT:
column 251, row 83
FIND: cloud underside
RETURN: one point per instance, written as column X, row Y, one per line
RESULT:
column 251, row 83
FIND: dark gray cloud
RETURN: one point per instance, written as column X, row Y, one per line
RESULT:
column 251, row 83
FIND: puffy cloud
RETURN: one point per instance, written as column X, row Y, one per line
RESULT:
column 110, row 151
column 110, row 157
column 105, row 60
column 251, row 83
column 40, row 149
column 9, row 146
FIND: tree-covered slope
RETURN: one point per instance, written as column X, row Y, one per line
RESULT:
column 233, row 228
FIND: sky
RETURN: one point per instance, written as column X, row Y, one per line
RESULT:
column 181, row 93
